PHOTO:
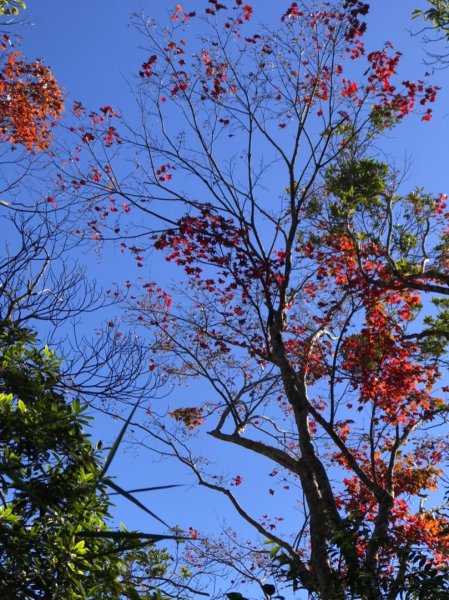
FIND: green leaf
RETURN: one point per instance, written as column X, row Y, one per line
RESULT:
column 7, row 515
column 79, row 548
column 149, row 489
column 11, row 7
column 128, row 536
column 131, row 498
column 118, row 440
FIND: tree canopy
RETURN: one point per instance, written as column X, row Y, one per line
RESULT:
column 55, row 538
column 49, row 473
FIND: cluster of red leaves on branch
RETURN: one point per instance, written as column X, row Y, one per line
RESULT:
column 215, row 72
column 407, row 526
column 245, row 12
column 147, row 70
column 382, row 365
column 355, row 9
column 30, row 100
column 378, row 359
column 99, row 126
column 94, row 129
column 399, row 104
column 313, row 79
column 211, row 240
column 352, row 10
column 414, row 474
column 214, row 240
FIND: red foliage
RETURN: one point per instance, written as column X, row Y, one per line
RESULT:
column 300, row 305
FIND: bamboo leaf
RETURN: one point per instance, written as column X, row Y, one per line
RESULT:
column 118, row 439
column 148, row 489
column 131, row 498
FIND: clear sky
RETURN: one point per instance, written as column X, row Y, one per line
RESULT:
column 96, row 56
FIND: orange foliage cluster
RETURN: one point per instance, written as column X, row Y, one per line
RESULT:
column 191, row 417
column 30, row 100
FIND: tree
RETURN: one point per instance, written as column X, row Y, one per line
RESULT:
column 55, row 540
column 306, row 280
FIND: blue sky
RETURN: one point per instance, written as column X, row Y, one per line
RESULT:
column 96, row 56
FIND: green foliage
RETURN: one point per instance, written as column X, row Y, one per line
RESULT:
column 437, row 333
column 406, row 267
column 421, row 203
column 54, row 507
column 11, row 7
column 357, row 186
column 425, row 582
column 437, row 15
column 382, row 118
column 406, row 241
column 357, row 182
